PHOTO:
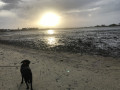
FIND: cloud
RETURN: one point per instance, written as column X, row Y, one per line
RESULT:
column 58, row 5
column 108, row 6
column 10, row 4
column 2, row 4
column 10, row 1
column 5, row 13
column 74, row 11
column 84, row 10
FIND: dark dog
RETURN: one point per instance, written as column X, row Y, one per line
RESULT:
column 26, row 73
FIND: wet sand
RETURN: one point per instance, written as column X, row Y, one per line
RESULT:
column 58, row 71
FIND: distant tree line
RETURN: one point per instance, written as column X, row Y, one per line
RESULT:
column 5, row 30
column 111, row 25
column 29, row 28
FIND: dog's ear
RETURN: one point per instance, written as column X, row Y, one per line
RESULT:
column 26, row 61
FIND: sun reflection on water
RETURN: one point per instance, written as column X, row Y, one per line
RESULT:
column 51, row 40
column 50, row 31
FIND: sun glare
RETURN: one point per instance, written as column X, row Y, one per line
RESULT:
column 49, row 19
column 50, row 31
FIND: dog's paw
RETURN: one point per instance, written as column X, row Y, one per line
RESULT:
column 27, row 88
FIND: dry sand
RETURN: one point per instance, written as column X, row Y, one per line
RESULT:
column 58, row 71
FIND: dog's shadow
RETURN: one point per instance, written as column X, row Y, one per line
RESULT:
column 22, row 87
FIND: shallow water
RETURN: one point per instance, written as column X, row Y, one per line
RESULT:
column 106, row 39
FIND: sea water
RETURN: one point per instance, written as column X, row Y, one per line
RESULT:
column 97, row 40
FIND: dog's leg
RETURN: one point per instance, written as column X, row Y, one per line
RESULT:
column 26, row 84
column 31, row 82
column 31, row 86
column 22, row 79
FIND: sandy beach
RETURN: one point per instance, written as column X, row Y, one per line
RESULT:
column 58, row 71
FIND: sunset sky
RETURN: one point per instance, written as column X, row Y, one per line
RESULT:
column 72, row 13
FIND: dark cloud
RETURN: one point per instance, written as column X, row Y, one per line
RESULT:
column 10, row 4
column 10, row 1
column 51, row 4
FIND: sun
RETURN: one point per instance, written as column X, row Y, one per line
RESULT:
column 50, row 19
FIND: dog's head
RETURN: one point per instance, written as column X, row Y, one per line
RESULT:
column 26, row 62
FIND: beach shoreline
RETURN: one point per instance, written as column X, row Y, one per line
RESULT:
column 58, row 70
